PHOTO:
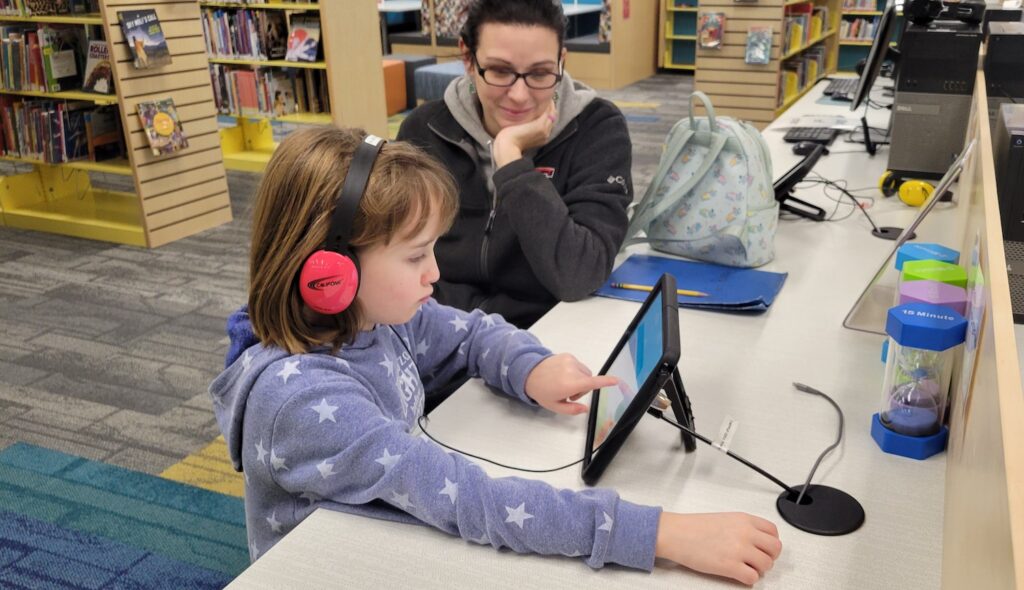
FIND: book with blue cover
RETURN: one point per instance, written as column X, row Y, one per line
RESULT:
column 728, row 288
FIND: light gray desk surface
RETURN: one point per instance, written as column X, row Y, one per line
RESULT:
column 732, row 365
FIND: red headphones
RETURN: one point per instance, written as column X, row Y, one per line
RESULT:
column 329, row 279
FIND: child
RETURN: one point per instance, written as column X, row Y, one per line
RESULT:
column 318, row 408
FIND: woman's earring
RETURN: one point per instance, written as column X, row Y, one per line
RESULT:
column 556, row 97
column 472, row 87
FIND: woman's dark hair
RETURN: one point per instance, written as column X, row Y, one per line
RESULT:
column 542, row 13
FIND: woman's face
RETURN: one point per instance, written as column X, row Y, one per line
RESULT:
column 513, row 48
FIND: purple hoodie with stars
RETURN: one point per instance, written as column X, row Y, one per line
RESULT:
column 318, row 430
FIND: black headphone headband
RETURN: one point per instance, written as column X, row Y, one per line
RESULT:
column 351, row 193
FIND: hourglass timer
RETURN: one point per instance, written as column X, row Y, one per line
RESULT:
column 923, row 339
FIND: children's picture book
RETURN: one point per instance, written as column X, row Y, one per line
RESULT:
column 99, row 74
column 710, row 27
column 144, row 37
column 163, row 129
column 759, row 45
column 303, row 38
column 283, row 92
column 273, row 33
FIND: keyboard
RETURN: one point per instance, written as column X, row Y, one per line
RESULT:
column 822, row 135
column 841, row 86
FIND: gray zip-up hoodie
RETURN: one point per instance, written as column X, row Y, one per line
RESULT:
column 319, row 430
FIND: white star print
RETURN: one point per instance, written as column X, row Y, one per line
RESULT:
column 608, row 522
column 274, row 524
column 388, row 460
column 325, row 410
column 253, row 551
column 246, row 475
column 246, row 362
column 342, row 362
column 290, row 368
column 326, row 469
column 518, row 515
column 451, row 489
column 261, row 453
column 422, row 347
column 277, row 462
column 483, row 540
column 462, row 348
column 575, row 553
column 483, row 356
column 313, row 498
column 504, row 370
column 460, row 325
column 488, row 321
column 402, row 500
column 389, row 365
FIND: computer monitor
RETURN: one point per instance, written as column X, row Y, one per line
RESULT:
column 784, row 187
column 876, row 55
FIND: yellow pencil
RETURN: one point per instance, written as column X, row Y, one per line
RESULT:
column 633, row 287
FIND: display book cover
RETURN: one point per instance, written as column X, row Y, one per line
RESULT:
column 163, row 128
column 144, row 38
column 728, row 288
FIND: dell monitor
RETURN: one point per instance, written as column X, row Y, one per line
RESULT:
column 873, row 64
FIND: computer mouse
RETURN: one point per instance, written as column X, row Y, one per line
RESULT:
column 805, row 147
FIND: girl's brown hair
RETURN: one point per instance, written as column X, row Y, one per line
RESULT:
column 294, row 203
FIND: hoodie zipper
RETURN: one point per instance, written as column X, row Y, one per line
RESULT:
column 490, row 217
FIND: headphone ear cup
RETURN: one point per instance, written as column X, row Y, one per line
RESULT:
column 915, row 192
column 328, row 282
column 888, row 183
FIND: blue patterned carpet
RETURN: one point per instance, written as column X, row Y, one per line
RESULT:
column 67, row 522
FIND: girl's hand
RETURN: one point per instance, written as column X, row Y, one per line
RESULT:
column 558, row 381
column 511, row 142
column 734, row 545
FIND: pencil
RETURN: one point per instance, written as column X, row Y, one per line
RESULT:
column 633, row 287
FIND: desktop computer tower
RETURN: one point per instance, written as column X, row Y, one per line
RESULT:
column 938, row 65
column 1008, row 153
column 1004, row 66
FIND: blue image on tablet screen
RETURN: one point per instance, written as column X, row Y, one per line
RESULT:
column 632, row 365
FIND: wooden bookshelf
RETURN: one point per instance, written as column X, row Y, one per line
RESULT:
column 677, row 42
column 853, row 50
column 350, row 43
column 754, row 92
column 60, row 198
column 630, row 55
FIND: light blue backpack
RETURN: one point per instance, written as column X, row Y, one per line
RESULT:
column 712, row 197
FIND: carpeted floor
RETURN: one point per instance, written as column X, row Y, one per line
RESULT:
column 106, row 352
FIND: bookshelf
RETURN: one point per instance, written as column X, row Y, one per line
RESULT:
column 349, row 79
column 175, row 195
column 677, row 42
column 760, row 93
column 629, row 55
column 860, row 17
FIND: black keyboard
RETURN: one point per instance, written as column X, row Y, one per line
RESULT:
column 841, row 86
column 822, row 135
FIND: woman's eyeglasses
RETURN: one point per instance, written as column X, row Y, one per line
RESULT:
column 504, row 77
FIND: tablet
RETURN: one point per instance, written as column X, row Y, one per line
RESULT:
column 643, row 360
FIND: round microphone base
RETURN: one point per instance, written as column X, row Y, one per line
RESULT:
column 890, row 233
column 822, row 511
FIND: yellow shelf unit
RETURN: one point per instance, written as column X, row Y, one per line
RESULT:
column 853, row 50
column 350, row 40
column 752, row 91
column 82, row 19
column 176, row 195
column 630, row 55
column 677, row 44
column 65, row 95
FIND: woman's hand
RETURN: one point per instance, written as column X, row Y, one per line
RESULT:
column 558, row 381
column 511, row 142
column 730, row 544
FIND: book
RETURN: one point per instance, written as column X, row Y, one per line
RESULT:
column 759, row 45
column 144, row 38
column 274, row 34
column 303, row 38
column 163, row 128
column 58, row 49
column 283, row 92
column 103, row 133
column 44, row 7
column 710, row 27
column 727, row 288
column 99, row 73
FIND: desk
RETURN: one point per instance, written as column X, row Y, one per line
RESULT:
column 388, row 6
column 736, row 365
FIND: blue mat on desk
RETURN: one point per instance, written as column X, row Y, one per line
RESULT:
column 727, row 288
column 68, row 522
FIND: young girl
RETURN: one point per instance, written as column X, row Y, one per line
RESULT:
column 319, row 409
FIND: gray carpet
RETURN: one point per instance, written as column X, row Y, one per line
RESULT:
column 106, row 351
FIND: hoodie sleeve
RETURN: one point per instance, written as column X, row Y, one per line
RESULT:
column 571, row 240
column 364, row 457
column 446, row 340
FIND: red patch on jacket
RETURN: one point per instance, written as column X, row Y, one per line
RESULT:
column 547, row 172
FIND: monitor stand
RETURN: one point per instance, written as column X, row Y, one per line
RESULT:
column 873, row 137
column 802, row 208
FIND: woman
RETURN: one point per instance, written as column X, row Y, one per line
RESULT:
column 542, row 166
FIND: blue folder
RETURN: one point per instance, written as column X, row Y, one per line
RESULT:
column 728, row 288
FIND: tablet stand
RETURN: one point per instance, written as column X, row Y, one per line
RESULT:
column 676, row 394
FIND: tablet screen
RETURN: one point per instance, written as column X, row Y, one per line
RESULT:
column 632, row 366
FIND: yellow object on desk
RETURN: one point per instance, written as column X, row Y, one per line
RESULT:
column 633, row 287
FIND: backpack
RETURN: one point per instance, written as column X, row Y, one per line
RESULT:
column 711, row 198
